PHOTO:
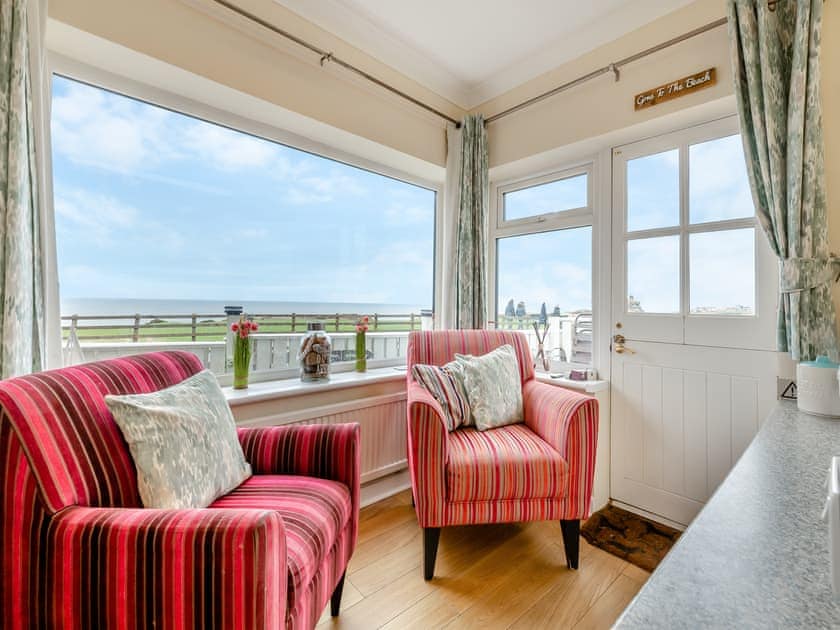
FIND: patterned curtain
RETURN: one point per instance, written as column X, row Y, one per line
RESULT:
column 21, row 310
column 471, row 247
column 775, row 63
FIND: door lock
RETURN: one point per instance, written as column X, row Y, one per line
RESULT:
column 619, row 347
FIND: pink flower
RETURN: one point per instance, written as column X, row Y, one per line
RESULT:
column 243, row 333
column 234, row 326
column 361, row 328
column 254, row 326
column 365, row 319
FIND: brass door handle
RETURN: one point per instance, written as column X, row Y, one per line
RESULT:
column 619, row 347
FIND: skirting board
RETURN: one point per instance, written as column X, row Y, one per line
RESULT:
column 385, row 487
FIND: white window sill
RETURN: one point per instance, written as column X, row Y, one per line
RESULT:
column 285, row 388
column 590, row 387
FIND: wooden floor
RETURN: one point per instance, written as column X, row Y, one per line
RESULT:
column 487, row 576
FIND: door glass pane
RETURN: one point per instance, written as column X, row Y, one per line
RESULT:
column 722, row 272
column 718, row 187
column 653, row 191
column 556, row 196
column 653, row 275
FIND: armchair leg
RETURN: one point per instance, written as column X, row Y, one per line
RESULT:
column 571, row 542
column 335, row 600
column 431, row 537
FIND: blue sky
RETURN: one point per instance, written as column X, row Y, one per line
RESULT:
column 154, row 204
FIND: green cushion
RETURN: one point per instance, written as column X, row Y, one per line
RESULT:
column 494, row 387
column 183, row 441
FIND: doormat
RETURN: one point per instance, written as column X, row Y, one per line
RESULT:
column 629, row 536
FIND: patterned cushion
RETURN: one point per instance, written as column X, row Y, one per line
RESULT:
column 507, row 463
column 183, row 441
column 446, row 384
column 314, row 512
column 493, row 387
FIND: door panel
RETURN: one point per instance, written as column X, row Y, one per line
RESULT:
column 681, row 417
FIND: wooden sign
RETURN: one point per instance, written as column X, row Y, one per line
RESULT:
column 674, row 89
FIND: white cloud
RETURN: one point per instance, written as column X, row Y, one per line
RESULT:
column 227, row 149
column 112, row 132
column 93, row 215
column 408, row 215
column 318, row 189
column 96, row 128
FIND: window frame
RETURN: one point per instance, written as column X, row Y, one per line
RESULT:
column 548, row 178
column 585, row 216
column 58, row 64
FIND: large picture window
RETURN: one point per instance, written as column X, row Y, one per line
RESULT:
column 160, row 214
column 543, row 263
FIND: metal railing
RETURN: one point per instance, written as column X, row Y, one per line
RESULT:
column 569, row 335
column 274, row 355
column 140, row 327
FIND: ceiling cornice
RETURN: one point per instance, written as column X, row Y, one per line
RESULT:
column 342, row 21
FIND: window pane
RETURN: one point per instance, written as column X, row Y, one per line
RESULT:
column 653, row 191
column 160, row 213
column 722, row 272
column 551, row 269
column 653, row 275
column 718, row 185
column 556, row 196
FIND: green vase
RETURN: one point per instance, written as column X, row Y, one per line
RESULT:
column 241, row 362
column 361, row 352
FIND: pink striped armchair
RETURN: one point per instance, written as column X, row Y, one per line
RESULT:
column 539, row 470
column 78, row 550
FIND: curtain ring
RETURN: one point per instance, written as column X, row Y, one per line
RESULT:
column 614, row 69
column 771, row 4
column 326, row 57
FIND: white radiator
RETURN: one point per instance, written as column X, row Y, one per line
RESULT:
column 382, row 421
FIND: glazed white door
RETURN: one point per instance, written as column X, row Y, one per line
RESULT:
column 694, row 305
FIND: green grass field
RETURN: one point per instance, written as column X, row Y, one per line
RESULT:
column 215, row 331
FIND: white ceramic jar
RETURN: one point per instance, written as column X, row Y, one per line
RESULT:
column 817, row 389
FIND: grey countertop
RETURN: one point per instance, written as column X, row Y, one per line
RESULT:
column 757, row 555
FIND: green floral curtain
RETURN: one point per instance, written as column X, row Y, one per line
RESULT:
column 776, row 68
column 471, row 246
column 21, row 308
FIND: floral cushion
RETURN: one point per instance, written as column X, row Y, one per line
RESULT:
column 493, row 387
column 183, row 441
column 446, row 384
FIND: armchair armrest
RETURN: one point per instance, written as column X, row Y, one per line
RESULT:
column 327, row 451
column 568, row 421
column 207, row 568
column 427, row 455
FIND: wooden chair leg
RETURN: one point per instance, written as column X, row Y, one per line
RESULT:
column 335, row 600
column 571, row 542
column 431, row 537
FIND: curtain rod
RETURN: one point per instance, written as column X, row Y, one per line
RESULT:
column 326, row 55
column 612, row 67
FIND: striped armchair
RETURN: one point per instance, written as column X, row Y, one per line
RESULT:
column 539, row 470
column 77, row 549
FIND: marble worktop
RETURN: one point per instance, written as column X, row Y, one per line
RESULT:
column 757, row 554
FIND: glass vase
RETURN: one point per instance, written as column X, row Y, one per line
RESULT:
column 241, row 362
column 361, row 352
